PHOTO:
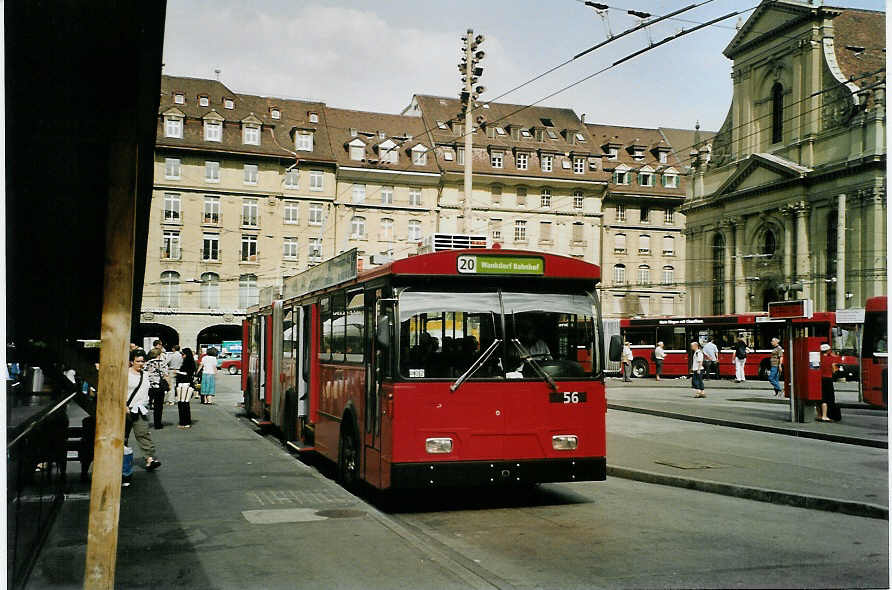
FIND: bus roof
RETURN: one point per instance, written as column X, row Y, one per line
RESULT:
column 876, row 304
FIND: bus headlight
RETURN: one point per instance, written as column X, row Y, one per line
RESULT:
column 564, row 442
column 438, row 445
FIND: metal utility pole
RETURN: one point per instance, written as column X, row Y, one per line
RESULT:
column 471, row 72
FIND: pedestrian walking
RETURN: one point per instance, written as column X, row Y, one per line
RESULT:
column 208, row 376
column 829, row 411
column 185, row 375
column 697, row 369
column 777, row 361
column 174, row 362
column 155, row 371
column 711, row 358
column 659, row 356
column 627, row 361
column 137, row 412
column 740, row 352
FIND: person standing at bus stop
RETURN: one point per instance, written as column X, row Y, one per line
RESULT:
column 659, row 356
column 829, row 411
column 711, row 358
column 740, row 350
column 697, row 369
column 209, row 376
column 627, row 361
column 777, row 361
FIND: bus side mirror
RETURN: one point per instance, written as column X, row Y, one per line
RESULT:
column 615, row 352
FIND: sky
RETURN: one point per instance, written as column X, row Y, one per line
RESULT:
column 375, row 55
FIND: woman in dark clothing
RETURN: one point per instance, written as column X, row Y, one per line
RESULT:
column 828, row 411
column 184, row 388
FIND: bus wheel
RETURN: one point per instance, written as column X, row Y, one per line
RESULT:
column 639, row 368
column 348, row 459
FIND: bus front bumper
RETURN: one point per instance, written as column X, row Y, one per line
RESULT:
column 485, row 473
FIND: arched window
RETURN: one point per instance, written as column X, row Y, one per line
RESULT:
column 387, row 229
column 769, row 243
column 668, row 275
column 210, row 290
column 777, row 113
column 170, row 289
column 619, row 274
column 718, row 275
column 619, row 244
column 248, row 294
column 643, row 274
column 357, row 227
column 414, row 230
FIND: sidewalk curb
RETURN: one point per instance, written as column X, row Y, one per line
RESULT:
column 752, row 493
column 837, row 438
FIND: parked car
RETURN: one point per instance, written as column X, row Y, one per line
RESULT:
column 233, row 365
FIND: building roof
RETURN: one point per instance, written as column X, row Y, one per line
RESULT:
column 438, row 112
column 374, row 129
column 859, row 39
column 277, row 135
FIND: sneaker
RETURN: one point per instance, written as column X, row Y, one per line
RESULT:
column 153, row 465
column 125, row 481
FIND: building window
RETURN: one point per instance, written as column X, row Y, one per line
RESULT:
column 668, row 306
column 460, row 155
column 228, row 103
column 387, row 230
column 645, row 214
column 521, row 196
column 211, row 210
column 644, row 304
column 251, row 135
column 547, row 161
column 303, row 141
column 415, row 197
column 577, row 199
column 668, row 275
column 170, row 245
column 414, row 230
column 522, row 160
column 357, row 228
column 668, row 246
column 620, row 212
column 249, row 248
column 275, row 113
column 619, row 244
column 170, row 289
column 203, row 101
column 670, row 180
column 612, row 153
column 638, row 154
column 314, row 117
column 578, row 235
column 292, row 178
column 668, row 216
column 718, row 275
column 249, row 212
column 777, row 113
column 315, row 180
column 248, row 294
column 213, row 131
column 495, row 226
column 578, row 165
column 212, row 171
column 210, row 247
column 173, row 127
column 620, row 177
column 419, row 155
column 290, row 212
column 387, row 195
column 643, row 275
column 179, row 98
column 769, row 241
column 357, row 150
column 250, row 173
column 619, row 274
column 495, row 192
column 645, row 178
column 545, row 198
column 495, row 159
column 289, row 248
column 172, row 168
column 664, row 157
column 210, row 290
column 520, row 231
column 644, row 244
column 315, row 214
column 358, row 193
column 315, row 250
column 171, row 207
column 545, row 231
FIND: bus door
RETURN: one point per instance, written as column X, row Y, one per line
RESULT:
column 303, row 340
column 276, row 393
column 379, row 330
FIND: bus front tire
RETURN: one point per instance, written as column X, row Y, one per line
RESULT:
column 348, row 459
column 639, row 368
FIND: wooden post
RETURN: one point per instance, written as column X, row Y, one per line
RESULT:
column 117, row 306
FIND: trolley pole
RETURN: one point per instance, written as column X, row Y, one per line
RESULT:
column 470, row 74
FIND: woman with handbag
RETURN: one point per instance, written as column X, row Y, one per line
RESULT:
column 137, row 412
column 185, row 375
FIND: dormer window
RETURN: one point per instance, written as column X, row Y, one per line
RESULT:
column 388, row 152
column 664, row 157
column 547, row 122
column 580, row 137
column 251, row 134
column 621, row 175
column 552, row 134
column 448, row 155
column 645, row 177
column 204, row 101
column 638, row 153
column 354, row 132
column 313, row 117
column 612, row 153
column 547, row 161
column 356, row 149
column 213, row 130
column 382, row 135
column 442, row 125
column 419, row 155
column 303, row 141
column 525, row 133
column 179, row 98
column 670, row 178
column 578, row 165
column 496, row 159
column 173, row 126
column 275, row 113
column 228, row 103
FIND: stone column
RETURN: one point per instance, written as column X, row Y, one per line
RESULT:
column 728, row 274
column 873, row 276
column 740, row 300
column 788, row 244
column 840, row 253
column 803, row 250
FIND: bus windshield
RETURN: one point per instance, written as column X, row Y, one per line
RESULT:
column 443, row 333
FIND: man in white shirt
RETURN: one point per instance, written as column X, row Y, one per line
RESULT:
column 711, row 358
column 174, row 360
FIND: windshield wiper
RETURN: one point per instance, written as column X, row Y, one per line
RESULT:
column 476, row 365
column 526, row 356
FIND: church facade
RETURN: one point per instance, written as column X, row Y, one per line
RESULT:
column 790, row 202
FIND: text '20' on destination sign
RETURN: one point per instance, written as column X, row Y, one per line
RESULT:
column 500, row 265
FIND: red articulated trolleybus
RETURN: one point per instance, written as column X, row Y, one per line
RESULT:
column 454, row 368
column 676, row 334
column 875, row 353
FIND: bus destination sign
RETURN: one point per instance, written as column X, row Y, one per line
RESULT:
column 788, row 310
column 500, row 265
